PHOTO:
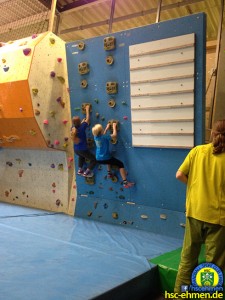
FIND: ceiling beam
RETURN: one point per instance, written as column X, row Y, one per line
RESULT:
column 75, row 4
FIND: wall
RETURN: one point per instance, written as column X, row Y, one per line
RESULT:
column 157, row 202
column 37, row 167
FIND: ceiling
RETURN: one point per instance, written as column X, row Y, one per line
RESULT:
column 82, row 19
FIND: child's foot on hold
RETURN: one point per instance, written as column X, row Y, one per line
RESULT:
column 110, row 175
column 88, row 173
column 127, row 184
column 80, row 172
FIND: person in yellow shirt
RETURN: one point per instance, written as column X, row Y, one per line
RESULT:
column 203, row 170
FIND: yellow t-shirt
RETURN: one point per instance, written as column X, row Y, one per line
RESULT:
column 205, row 195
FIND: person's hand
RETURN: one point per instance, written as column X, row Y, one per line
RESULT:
column 87, row 107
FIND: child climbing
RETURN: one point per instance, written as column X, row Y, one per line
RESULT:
column 78, row 135
column 103, row 155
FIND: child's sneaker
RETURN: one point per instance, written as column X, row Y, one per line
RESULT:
column 127, row 184
column 80, row 172
column 110, row 175
column 88, row 173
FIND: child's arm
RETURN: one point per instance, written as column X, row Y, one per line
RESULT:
column 114, row 133
column 107, row 128
column 87, row 119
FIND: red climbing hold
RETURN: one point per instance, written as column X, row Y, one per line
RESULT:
column 26, row 51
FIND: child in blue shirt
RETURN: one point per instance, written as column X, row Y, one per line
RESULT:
column 78, row 135
column 103, row 155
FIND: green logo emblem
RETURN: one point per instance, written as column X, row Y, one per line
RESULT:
column 207, row 278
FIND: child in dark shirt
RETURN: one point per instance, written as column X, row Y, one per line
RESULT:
column 78, row 135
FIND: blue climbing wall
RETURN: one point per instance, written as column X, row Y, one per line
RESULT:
column 157, row 202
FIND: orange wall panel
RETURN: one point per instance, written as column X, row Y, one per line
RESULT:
column 21, row 133
column 15, row 100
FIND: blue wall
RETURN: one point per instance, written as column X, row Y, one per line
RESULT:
column 153, row 169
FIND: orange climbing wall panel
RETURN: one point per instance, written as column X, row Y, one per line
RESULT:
column 21, row 133
column 18, row 126
column 15, row 100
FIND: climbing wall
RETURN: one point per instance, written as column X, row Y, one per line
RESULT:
column 37, row 158
column 100, row 73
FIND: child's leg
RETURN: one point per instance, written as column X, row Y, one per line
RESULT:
column 81, row 159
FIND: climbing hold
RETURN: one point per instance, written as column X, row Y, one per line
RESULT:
column 18, row 160
column 52, row 166
column 32, row 132
column 90, row 180
column 91, row 193
column 95, row 205
column 26, row 51
column 97, row 115
column 60, row 167
column 56, row 142
column 65, row 145
column 110, row 189
column 6, row 193
column 144, row 217
column 77, row 108
column 52, row 41
column 4, row 61
column 115, row 215
column 53, row 184
column 65, row 122
column 66, row 139
column 125, row 118
column 45, row 122
column 109, row 43
column 29, row 164
column 109, row 60
column 35, row 91
column 57, row 202
column 111, row 87
column 103, row 118
column 6, row 69
column 37, row 112
column 96, row 100
column 53, row 191
column 83, row 68
column 9, row 163
column 20, row 172
column 60, row 101
column 59, row 59
column 105, row 206
column 70, row 159
column 124, row 103
column 34, row 36
column 89, row 213
column 112, row 103
column 83, row 84
column 52, row 113
column 52, row 74
column 81, row 46
column 114, row 140
column 21, row 109
column 163, row 216
column 61, row 79
column 121, row 197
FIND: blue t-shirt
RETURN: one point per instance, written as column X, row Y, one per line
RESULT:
column 102, row 147
column 81, row 134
